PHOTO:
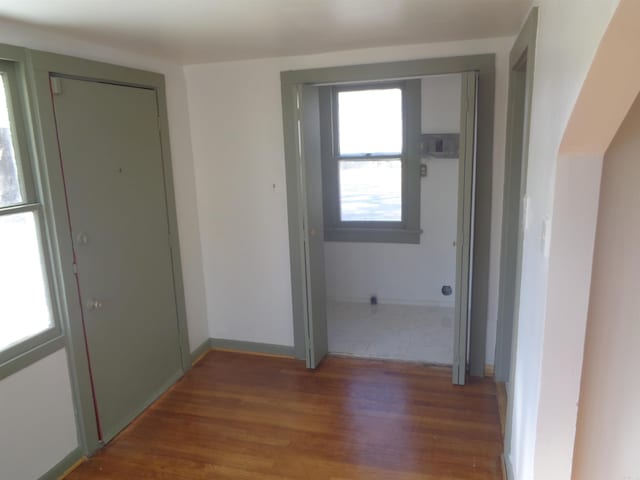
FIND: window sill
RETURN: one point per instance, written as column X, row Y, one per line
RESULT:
column 372, row 235
column 25, row 359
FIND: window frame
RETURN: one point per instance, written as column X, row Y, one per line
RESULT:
column 407, row 230
column 33, row 348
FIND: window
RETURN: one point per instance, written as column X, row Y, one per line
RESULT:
column 26, row 315
column 371, row 181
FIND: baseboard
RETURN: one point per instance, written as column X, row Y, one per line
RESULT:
column 63, row 467
column 200, row 351
column 128, row 420
column 394, row 301
column 508, row 468
column 251, row 347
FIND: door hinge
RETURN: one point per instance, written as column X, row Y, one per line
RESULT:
column 56, row 85
column 75, row 269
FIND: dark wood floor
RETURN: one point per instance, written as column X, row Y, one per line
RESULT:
column 238, row 416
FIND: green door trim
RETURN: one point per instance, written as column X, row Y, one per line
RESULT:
column 51, row 340
column 464, row 245
column 485, row 66
column 521, row 75
column 40, row 66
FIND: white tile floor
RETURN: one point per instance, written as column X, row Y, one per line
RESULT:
column 400, row 332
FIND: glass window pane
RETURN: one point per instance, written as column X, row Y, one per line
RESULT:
column 24, row 302
column 370, row 121
column 370, row 191
column 10, row 193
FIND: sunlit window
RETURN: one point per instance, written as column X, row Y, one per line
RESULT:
column 24, row 300
column 370, row 121
column 370, row 136
column 370, row 190
column 370, row 143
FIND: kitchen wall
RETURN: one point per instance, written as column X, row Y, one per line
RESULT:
column 410, row 274
column 237, row 137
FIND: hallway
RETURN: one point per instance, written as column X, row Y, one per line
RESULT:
column 240, row 416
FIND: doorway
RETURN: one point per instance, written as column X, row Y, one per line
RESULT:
column 396, row 300
column 307, row 219
column 111, row 160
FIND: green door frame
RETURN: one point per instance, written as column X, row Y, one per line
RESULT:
column 485, row 66
column 521, row 74
column 39, row 66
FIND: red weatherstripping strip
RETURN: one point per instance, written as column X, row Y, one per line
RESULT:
column 84, row 328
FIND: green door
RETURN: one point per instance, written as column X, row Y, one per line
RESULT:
column 112, row 164
column 464, row 243
column 311, row 184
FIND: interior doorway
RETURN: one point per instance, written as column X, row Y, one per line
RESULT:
column 396, row 300
column 114, row 183
column 309, row 219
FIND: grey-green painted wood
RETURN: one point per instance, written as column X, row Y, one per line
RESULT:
column 112, row 162
column 251, row 347
column 200, row 350
column 411, row 182
column 485, row 66
column 313, row 224
column 464, row 241
column 38, row 66
column 37, row 347
column 408, row 229
column 521, row 68
column 63, row 65
column 23, row 360
column 56, row 472
column 294, row 217
column 512, row 203
column 55, row 206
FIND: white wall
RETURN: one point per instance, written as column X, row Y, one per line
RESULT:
column 37, row 418
column 549, row 346
column 410, row 274
column 48, row 380
column 608, row 432
column 236, row 123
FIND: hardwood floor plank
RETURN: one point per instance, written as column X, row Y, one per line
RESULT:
column 238, row 416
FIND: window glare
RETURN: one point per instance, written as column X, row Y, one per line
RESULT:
column 10, row 191
column 23, row 291
column 370, row 121
column 370, row 191
column 4, row 110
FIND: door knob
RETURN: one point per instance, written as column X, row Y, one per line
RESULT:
column 94, row 304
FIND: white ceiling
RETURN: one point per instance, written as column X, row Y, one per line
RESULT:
column 196, row 31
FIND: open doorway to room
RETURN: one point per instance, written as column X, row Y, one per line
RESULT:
column 387, row 299
column 332, row 210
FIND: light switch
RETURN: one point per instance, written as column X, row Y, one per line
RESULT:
column 545, row 237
